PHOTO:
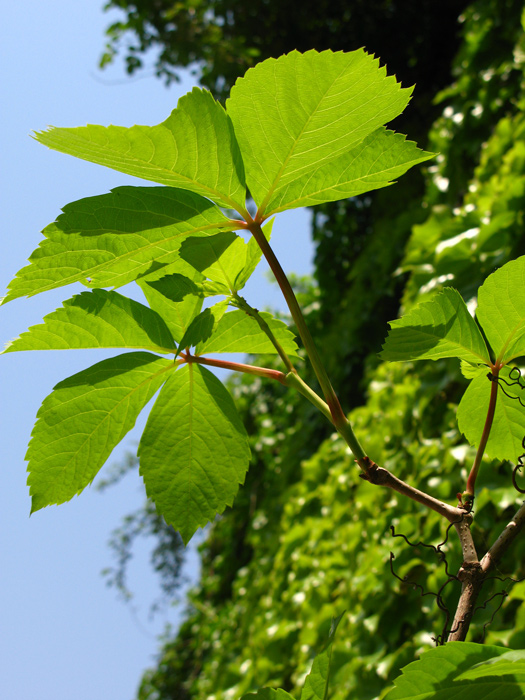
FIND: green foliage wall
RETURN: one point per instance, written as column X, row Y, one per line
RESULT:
column 306, row 538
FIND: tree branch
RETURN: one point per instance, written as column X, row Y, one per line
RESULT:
column 507, row 537
column 382, row 477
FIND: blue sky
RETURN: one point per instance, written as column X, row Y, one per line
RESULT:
column 64, row 633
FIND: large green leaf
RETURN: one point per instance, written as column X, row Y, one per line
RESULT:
column 297, row 112
column 462, row 671
column 176, row 298
column 508, row 427
column 98, row 319
column 501, row 310
column 112, row 239
column 194, row 451
column 195, row 149
column 376, row 162
column 237, row 332
column 82, row 420
column 441, row 327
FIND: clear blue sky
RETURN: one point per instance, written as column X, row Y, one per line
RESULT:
column 64, row 635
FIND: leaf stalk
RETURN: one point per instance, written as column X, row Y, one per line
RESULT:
column 471, row 481
column 236, row 367
column 242, row 304
column 338, row 417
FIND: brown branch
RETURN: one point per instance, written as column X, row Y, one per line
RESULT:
column 507, row 537
column 382, row 477
column 472, row 575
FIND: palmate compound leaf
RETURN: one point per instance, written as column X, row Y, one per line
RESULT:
column 297, row 112
column 115, row 238
column 508, row 426
column 194, row 451
column 464, row 671
column 238, row 332
column 441, row 327
column 98, row 319
column 194, row 149
column 501, row 310
column 374, row 163
column 84, row 418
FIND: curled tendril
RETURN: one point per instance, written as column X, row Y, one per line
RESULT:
column 518, row 468
column 516, row 380
column 502, row 595
column 438, row 595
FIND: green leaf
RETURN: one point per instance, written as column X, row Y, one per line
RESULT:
column 221, row 258
column 203, row 326
column 114, row 238
column 376, row 162
column 448, row 672
column 194, row 451
column 509, row 663
column 469, row 371
column 238, row 332
column 194, row 149
column 82, row 420
column 224, row 258
column 98, row 319
column 297, row 112
column 508, row 426
column 269, row 694
column 501, row 310
column 178, row 299
column 316, row 682
column 441, row 327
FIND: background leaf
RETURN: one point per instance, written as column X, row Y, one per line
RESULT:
column 376, row 162
column 98, row 319
column 508, row 427
column 82, row 420
column 114, row 238
column 297, row 112
column 316, row 682
column 501, row 310
column 445, row 672
column 269, row 694
column 195, row 149
column 194, row 451
column 441, row 327
column 238, row 332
